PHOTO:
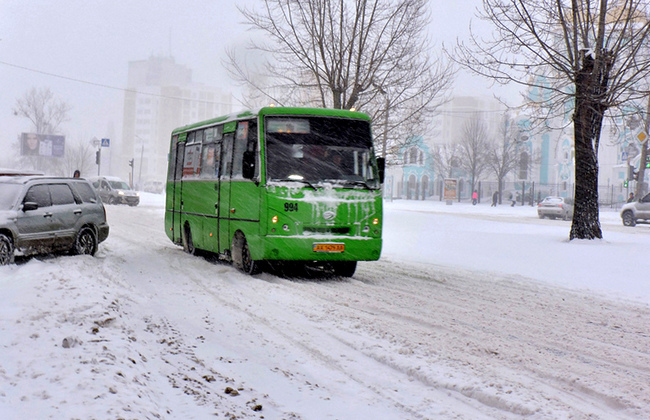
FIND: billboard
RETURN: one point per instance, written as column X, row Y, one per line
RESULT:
column 49, row 145
column 451, row 186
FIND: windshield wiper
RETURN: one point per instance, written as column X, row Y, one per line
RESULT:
column 296, row 180
column 348, row 182
column 361, row 183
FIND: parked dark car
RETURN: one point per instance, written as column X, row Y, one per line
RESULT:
column 636, row 212
column 40, row 214
column 553, row 207
column 113, row 190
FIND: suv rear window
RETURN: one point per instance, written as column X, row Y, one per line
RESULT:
column 86, row 192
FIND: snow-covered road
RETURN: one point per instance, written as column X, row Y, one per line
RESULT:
column 144, row 330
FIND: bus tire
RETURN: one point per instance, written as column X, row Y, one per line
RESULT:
column 345, row 268
column 241, row 256
column 188, row 243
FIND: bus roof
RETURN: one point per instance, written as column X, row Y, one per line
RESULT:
column 273, row 110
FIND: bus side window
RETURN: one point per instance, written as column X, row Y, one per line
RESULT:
column 180, row 155
column 226, row 155
column 251, row 148
column 208, row 161
column 192, row 158
column 239, row 147
column 173, row 161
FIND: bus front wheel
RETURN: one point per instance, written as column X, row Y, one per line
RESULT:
column 241, row 256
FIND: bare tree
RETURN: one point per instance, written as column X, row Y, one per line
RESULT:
column 46, row 113
column 586, row 55
column 43, row 109
column 502, row 154
column 474, row 145
column 80, row 156
column 446, row 158
column 371, row 55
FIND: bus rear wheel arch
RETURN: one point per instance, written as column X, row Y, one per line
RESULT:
column 188, row 243
column 241, row 256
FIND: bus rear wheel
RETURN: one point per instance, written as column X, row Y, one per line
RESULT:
column 344, row 268
column 241, row 256
column 188, row 243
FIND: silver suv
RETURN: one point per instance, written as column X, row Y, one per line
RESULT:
column 41, row 214
column 113, row 190
column 636, row 212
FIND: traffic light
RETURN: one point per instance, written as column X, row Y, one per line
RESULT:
column 131, row 163
column 625, row 184
column 97, row 157
column 632, row 175
column 647, row 161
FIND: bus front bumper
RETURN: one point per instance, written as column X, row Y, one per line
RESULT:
column 311, row 248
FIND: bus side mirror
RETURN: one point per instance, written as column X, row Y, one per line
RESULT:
column 381, row 165
column 248, row 165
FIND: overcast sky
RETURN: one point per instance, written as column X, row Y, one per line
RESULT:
column 93, row 41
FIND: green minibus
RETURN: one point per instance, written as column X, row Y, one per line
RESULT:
column 279, row 184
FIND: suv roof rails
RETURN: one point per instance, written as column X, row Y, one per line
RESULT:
column 18, row 172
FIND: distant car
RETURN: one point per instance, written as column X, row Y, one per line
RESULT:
column 553, row 207
column 155, row 187
column 41, row 214
column 113, row 190
column 636, row 212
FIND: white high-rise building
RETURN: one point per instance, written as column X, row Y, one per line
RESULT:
column 161, row 96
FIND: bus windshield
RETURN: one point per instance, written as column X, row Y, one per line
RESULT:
column 315, row 150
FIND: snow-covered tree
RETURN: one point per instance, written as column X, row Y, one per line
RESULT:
column 371, row 55
column 594, row 57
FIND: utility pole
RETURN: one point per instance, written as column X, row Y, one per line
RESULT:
column 98, row 153
column 640, row 184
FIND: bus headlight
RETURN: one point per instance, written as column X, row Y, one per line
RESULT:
column 274, row 219
column 375, row 221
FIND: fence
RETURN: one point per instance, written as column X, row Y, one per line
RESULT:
column 524, row 192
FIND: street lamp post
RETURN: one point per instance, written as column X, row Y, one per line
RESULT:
column 98, row 153
column 384, row 140
column 387, row 107
column 383, row 154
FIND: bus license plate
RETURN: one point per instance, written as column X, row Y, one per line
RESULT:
column 329, row 247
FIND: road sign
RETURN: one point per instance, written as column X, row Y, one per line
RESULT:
column 642, row 136
column 106, row 142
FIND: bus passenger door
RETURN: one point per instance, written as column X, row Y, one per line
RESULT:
column 224, row 192
column 211, row 170
column 177, row 193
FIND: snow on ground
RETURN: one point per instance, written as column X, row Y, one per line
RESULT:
column 472, row 312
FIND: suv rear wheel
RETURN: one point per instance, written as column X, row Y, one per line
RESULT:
column 86, row 242
column 628, row 218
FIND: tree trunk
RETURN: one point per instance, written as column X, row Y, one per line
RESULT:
column 587, row 123
column 586, row 224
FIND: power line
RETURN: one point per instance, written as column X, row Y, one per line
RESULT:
column 72, row 79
